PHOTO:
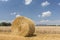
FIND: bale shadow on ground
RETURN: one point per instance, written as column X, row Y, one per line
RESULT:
column 31, row 35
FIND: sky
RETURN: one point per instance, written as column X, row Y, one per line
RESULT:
column 40, row 11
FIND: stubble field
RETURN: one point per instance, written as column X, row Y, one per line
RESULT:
column 41, row 33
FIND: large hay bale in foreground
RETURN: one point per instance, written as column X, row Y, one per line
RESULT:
column 23, row 26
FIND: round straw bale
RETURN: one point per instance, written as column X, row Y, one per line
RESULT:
column 23, row 26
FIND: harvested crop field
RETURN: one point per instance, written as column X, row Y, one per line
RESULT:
column 41, row 33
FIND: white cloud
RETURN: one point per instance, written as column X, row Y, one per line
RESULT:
column 58, row 3
column 42, row 21
column 39, row 16
column 4, row 0
column 14, row 13
column 17, row 15
column 46, row 14
column 27, row 2
column 46, row 3
column 50, row 22
column 7, row 21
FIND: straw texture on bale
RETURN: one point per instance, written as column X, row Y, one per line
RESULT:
column 23, row 26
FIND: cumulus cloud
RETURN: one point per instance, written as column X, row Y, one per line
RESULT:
column 14, row 13
column 39, row 16
column 7, row 21
column 27, row 2
column 17, row 15
column 46, row 3
column 46, row 14
column 4, row 0
column 42, row 21
column 50, row 22
column 58, row 3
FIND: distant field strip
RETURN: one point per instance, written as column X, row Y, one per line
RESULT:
column 4, row 29
column 41, row 32
column 38, row 29
column 48, row 29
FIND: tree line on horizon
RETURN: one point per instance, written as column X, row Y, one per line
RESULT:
column 45, row 25
column 5, row 24
column 9, row 24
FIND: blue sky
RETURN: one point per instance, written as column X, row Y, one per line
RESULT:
column 40, row 11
